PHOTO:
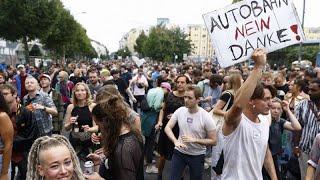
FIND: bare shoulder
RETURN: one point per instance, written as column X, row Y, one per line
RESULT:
column 92, row 105
column 70, row 107
column 4, row 115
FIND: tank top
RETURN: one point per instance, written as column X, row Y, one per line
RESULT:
column 84, row 116
column 245, row 149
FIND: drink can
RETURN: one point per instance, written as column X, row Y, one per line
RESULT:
column 88, row 167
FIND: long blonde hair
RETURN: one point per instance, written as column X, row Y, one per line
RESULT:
column 234, row 82
column 88, row 94
column 44, row 143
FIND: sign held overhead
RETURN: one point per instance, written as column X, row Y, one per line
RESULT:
column 238, row 29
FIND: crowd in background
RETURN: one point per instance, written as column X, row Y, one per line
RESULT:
column 117, row 113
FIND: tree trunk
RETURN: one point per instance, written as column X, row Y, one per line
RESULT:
column 26, row 49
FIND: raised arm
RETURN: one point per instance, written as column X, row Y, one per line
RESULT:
column 233, row 116
column 294, row 124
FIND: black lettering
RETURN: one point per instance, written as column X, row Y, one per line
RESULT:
column 270, row 39
column 241, row 11
column 234, row 17
column 214, row 24
column 273, row 2
column 233, row 52
column 224, row 26
column 284, row 1
column 248, row 46
column 255, row 7
column 262, row 43
column 266, row 5
column 280, row 35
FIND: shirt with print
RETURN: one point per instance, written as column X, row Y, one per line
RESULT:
column 196, row 125
column 43, row 119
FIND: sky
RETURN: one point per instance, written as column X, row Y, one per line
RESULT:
column 107, row 21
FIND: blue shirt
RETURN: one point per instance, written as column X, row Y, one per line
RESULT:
column 43, row 119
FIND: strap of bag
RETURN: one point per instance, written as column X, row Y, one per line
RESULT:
column 226, row 105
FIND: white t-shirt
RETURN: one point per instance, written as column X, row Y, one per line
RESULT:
column 136, row 90
column 196, row 125
column 245, row 149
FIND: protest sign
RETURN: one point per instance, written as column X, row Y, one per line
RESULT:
column 139, row 62
column 238, row 29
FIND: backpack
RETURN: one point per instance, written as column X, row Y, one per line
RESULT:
column 27, row 131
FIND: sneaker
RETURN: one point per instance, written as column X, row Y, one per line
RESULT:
column 151, row 169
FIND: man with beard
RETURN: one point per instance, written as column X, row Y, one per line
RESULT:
column 57, row 120
column 308, row 113
column 94, row 84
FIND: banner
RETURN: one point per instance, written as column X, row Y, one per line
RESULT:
column 238, row 29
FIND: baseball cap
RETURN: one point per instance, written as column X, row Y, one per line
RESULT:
column 166, row 85
column 45, row 75
column 20, row 66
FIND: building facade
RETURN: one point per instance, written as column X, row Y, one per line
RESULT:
column 200, row 40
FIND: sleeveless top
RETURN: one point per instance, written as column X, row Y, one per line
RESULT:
column 245, row 149
column 84, row 116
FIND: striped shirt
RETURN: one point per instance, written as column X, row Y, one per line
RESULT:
column 310, row 123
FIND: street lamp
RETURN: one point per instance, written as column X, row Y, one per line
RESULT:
column 302, row 25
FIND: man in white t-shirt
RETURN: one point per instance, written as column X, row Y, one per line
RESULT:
column 196, row 131
column 245, row 132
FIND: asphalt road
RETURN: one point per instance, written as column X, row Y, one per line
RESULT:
column 166, row 174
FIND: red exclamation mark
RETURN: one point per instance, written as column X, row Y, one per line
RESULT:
column 294, row 28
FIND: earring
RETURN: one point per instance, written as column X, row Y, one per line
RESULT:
column 253, row 106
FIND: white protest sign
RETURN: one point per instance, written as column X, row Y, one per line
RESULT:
column 238, row 29
column 139, row 62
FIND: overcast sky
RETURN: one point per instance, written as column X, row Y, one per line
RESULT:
column 108, row 20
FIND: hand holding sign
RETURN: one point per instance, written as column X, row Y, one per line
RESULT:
column 260, row 58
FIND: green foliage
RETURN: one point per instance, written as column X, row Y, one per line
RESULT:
column 235, row 1
column 124, row 52
column 28, row 19
column 163, row 44
column 35, row 51
column 287, row 55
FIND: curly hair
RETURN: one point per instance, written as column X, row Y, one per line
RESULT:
column 88, row 93
column 112, row 113
column 45, row 143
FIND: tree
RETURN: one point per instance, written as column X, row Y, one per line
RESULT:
column 124, row 52
column 163, row 44
column 287, row 55
column 27, row 20
column 68, row 38
column 140, row 42
column 35, row 51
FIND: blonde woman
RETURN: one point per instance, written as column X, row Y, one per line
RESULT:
column 78, row 119
column 53, row 158
column 224, row 103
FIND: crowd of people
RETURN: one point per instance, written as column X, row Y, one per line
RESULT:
column 241, row 122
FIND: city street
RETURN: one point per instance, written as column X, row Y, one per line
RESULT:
column 166, row 174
